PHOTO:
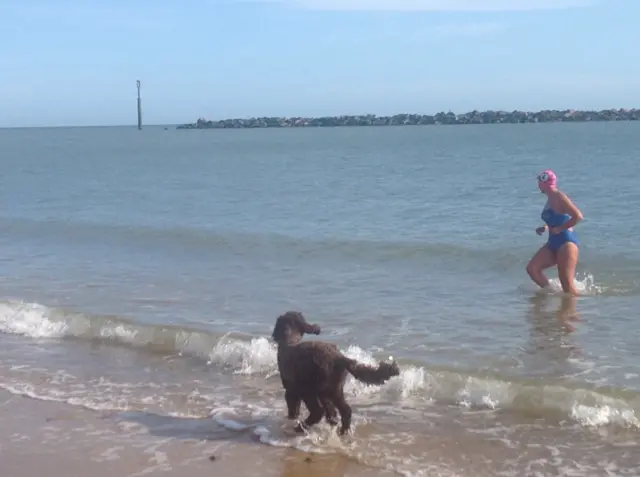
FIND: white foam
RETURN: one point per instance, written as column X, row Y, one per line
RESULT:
column 585, row 285
column 321, row 439
column 604, row 414
column 219, row 415
column 121, row 332
column 30, row 319
column 257, row 356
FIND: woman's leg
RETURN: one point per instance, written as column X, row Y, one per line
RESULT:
column 542, row 260
column 568, row 256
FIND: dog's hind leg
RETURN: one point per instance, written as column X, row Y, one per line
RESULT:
column 345, row 411
column 316, row 412
column 293, row 403
column 330, row 411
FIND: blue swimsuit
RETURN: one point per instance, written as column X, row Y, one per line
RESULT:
column 554, row 219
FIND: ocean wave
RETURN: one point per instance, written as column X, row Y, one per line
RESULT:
column 39, row 321
column 418, row 385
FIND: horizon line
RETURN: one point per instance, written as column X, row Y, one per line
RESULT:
column 240, row 118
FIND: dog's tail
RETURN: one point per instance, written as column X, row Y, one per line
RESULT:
column 370, row 374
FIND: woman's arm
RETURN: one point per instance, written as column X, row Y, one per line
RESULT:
column 570, row 208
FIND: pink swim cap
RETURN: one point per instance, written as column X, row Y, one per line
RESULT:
column 548, row 178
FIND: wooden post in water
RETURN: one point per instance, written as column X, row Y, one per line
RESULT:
column 139, row 106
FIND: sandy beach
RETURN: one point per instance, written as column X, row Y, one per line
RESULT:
column 62, row 440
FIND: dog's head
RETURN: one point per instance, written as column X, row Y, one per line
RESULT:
column 291, row 326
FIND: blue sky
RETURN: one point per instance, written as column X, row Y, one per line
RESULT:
column 76, row 62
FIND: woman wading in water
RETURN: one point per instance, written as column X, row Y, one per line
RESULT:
column 560, row 215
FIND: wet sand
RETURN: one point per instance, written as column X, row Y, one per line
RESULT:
column 55, row 439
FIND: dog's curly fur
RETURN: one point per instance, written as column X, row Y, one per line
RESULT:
column 315, row 372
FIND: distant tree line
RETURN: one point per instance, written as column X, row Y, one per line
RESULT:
column 473, row 117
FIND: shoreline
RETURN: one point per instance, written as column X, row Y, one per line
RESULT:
column 40, row 436
column 441, row 118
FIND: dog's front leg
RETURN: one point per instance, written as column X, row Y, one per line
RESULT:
column 293, row 403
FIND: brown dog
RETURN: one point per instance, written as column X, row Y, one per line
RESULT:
column 315, row 372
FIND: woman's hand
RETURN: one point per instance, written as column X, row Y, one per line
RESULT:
column 540, row 230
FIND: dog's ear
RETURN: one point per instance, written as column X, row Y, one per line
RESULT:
column 281, row 330
column 303, row 326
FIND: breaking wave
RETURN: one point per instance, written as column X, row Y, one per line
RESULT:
column 418, row 385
